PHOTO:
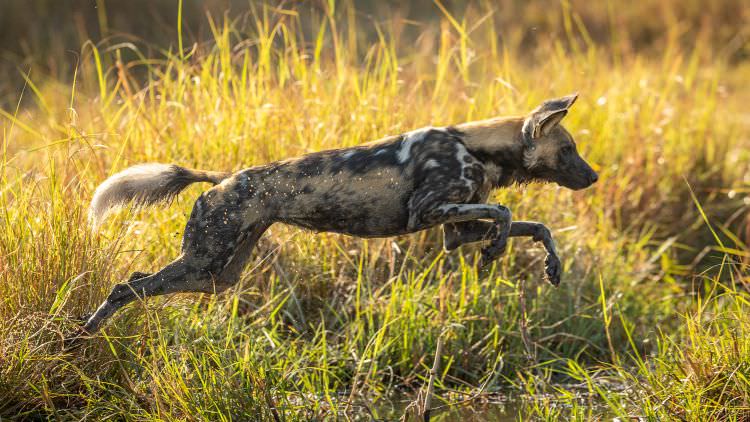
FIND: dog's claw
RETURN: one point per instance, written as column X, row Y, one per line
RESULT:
column 553, row 269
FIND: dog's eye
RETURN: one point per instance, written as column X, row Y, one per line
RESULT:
column 567, row 150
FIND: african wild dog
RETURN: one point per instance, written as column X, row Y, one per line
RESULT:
column 397, row 185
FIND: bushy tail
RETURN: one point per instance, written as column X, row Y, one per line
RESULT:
column 145, row 184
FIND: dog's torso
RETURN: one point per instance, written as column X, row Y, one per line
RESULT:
column 364, row 190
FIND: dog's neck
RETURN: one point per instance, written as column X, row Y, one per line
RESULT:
column 498, row 142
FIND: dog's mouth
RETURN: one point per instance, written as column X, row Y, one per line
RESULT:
column 579, row 183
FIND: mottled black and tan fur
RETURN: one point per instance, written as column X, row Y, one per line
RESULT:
column 397, row 185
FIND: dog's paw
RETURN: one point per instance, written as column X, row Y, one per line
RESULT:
column 553, row 269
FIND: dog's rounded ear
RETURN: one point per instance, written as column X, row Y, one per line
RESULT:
column 548, row 122
column 548, row 115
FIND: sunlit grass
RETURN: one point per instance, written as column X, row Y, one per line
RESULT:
column 323, row 324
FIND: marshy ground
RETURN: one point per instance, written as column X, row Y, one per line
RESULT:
column 653, row 315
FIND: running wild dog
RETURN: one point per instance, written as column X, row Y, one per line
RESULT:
column 398, row 185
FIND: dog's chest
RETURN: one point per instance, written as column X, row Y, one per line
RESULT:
column 494, row 175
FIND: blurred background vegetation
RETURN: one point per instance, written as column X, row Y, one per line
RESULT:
column 48, row 34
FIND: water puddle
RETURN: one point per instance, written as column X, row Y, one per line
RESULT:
column 481, row 409
column 500, row 407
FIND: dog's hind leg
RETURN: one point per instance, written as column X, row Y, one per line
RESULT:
column 183, row 275
column 216, row 245
column 456, row 234
column 169, row 279
column 230, row 275
column 133, row 277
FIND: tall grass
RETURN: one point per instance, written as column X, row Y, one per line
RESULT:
column 329, row 326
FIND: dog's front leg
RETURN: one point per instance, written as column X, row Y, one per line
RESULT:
column 474, row 231
column 457, row 234
column 461, row 213
column 540, row 233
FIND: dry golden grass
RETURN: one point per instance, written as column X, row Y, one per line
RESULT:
column 321, row 319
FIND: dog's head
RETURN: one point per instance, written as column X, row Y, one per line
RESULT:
column 550, row 153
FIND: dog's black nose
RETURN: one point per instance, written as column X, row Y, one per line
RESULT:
column 593, row 177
